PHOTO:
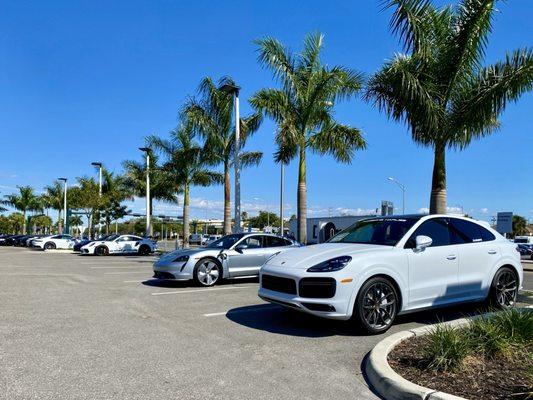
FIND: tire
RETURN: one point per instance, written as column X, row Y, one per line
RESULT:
column 101, row 251
column 144, row 250
column 376, row 305
column 504, row 289
column 207, row 272
column 49, row 246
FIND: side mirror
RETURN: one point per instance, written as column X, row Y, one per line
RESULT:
column 422, row 242
column 240, row 247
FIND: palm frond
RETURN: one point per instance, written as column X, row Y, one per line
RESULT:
column 340, row 141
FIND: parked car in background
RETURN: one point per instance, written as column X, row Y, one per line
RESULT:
column 29, row 240
column 196, row 238
column 527, row 239
column 232, row 256
column 211, row 238
column 524, row 249
column 6, row 240
column 120, row 244
column 84, row 241
column 384, row 266
column 54, row 242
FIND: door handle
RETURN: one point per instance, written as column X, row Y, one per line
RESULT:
column 451, row 257
column 492, row 252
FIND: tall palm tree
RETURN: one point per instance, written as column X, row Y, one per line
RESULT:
column 54, row 199
column 212, row 117
column 115, row 190
column 303, row 109
column 26, row 200
column 440, row 88
column 187, row 165
column 160, row 188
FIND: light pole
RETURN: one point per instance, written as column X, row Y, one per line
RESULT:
column 403, row 192
column 64, row 203
column 99, row 165
column 233, row 89
column 148, row 216
column 282, row 178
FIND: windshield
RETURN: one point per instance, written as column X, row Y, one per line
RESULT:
column 383, row 231
column 110, row 238
column 225, row 242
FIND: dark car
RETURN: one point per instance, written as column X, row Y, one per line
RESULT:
column 6, row 240
column 21, row 240
column 524, row 249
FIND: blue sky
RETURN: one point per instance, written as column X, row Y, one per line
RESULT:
column 87, row 80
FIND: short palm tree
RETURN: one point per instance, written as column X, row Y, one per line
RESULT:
column 26, row 200
column 54, row 199
column 303, row 109
column 440, row 88
column 186, row 165
column 211, row 116
column 160, row 188
column 114, row 191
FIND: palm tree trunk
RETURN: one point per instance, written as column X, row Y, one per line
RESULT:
column 437, row 202
column 227, row 200
column 24, row 222
column 90, row 227
column 151, row 216
column 186, row 216
column 302, row 198
column 59, row 222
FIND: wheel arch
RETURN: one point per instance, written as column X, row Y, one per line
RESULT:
column 216, row 260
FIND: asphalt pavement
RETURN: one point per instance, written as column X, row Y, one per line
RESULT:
column 75, row 327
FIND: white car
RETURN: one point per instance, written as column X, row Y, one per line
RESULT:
column 120, row 244
column 384, row 266
column 54, row 242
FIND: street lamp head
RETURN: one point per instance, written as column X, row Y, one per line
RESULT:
column 62, row 179
column 96, row 164
column 230, row 88
column 145, row 149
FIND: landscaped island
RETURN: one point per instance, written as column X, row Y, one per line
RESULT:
column 490, row 359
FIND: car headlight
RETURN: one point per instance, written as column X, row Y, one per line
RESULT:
column 181, row 259
column 335, row 264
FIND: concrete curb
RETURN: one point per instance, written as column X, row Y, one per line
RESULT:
column 391, row 386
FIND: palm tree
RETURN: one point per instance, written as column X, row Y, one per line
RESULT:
column 211, row 116
column 160, row 188
column 440, row 89
column 303, row 109
column 115, row 190
column 26, row 200
column 186, row 165
column 53, row 197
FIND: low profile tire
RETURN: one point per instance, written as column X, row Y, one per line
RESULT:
column 207, row 272
column 101, row 251
column 144, row 250
column 504, row 289
column 49, row 246
column 376, row 305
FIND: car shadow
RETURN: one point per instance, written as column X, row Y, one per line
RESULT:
column 277, row 319
column 163, row 283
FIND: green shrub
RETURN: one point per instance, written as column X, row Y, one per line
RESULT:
column 445, row 348
column 515, row 325
column 486, row 337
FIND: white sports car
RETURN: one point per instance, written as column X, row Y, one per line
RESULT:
column 54, row 242
column 120, row 244
column 384, row 266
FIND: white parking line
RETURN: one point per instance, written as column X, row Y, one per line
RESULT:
column 204, row 290
column 128, row 272
column 125, row 267
column 253, row 309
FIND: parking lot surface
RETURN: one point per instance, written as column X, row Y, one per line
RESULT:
column 75, row 327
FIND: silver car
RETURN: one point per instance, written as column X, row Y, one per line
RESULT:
column 232, row 256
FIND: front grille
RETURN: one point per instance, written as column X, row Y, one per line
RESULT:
column 317, row 288
column 278, row 284
column 163, row 275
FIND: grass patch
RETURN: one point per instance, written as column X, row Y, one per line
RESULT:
column 502, row 334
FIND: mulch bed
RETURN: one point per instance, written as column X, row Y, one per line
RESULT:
column 480, row 378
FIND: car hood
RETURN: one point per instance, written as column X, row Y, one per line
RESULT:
column 306, row 257
column 199, row 252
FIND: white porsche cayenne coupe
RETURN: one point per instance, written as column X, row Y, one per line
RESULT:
column 120, row 244
column 384, row 266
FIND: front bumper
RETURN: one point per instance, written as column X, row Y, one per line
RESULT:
column 338, row 306
column 172, row 271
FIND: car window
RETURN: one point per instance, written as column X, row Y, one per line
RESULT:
column 272, row 241
column 253, row 242
column 464, row 231
column 436, row 229
column 380, row 231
